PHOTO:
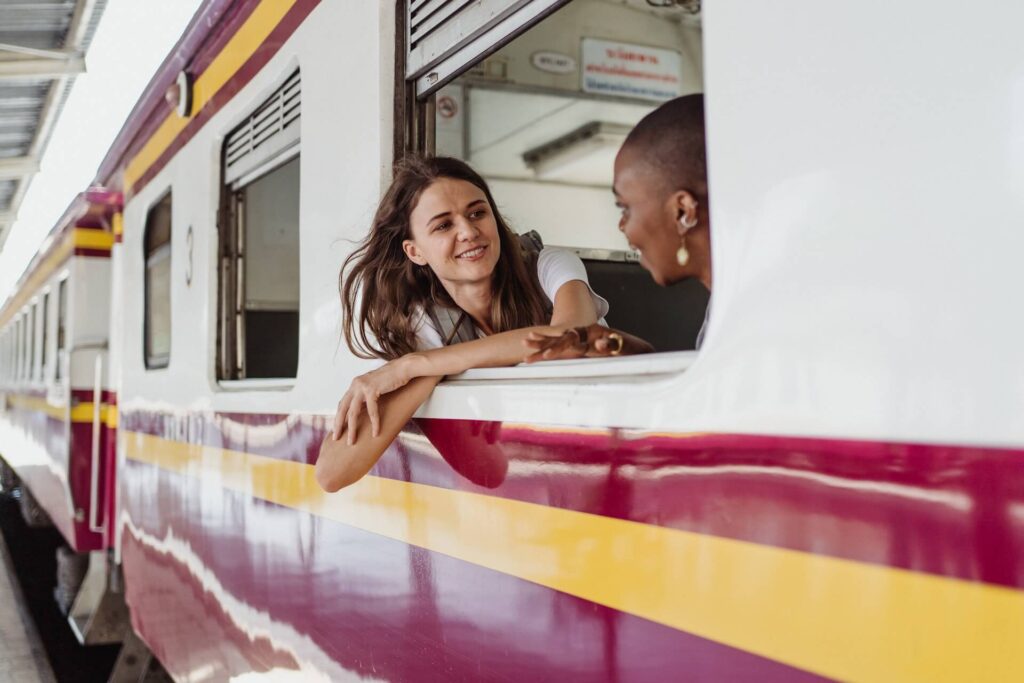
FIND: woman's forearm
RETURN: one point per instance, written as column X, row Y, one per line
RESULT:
column 496, row 350
column 341, row 463
column 573, row 307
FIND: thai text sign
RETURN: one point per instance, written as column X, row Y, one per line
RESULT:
column 612, row 68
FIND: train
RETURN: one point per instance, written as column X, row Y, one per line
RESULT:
column 832, row 487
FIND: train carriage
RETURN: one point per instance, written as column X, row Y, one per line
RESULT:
column 57, row 434
column 830, row 488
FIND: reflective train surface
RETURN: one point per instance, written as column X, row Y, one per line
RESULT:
column 832, row 488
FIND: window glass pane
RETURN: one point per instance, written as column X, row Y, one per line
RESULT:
column 271, row 213
column 32, row 343
column 45, row 329
column 62, row 314
column 542, row 120
column 157, row 337
column 158, row 308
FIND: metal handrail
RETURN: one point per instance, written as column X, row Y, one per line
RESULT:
column 94, row 474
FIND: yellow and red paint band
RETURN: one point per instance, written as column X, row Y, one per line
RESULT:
column 80, row 412
column 839, row 618
column 251, row 45
column 78, row 240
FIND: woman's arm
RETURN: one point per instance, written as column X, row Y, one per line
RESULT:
column 573, row 307
column 341, row 463
column 593, row 341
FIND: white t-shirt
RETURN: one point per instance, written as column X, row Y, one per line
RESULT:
column 555, row 267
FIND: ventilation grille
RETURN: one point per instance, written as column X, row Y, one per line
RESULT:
column 270, row 130
column 445, row 36
column 426, row 15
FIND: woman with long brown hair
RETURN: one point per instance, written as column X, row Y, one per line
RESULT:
column 441, row 268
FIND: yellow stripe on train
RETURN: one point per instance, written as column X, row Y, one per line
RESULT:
column 81, row 412
column 839, row 618
column 87, row 238
column 249, row 37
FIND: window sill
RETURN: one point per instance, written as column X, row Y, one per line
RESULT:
column 622, row 368
column 268, row 384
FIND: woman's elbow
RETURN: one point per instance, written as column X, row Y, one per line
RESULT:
column 332, row 479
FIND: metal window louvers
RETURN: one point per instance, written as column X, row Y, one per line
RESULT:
column 269, row 130
column 445, row 36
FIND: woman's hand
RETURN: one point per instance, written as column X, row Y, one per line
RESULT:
column 367, row 390
column 576, row 342
column 592, row 341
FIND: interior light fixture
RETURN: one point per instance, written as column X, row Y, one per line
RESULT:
column 584, row 155
column 691, row 6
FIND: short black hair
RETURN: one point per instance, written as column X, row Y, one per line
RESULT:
column 671, row 140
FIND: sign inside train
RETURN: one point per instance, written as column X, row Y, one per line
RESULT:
column 613, row 68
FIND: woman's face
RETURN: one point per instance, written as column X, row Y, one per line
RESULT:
column 650, row 219
column 454, row 232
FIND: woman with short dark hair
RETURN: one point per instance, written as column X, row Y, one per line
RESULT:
column 661, row 188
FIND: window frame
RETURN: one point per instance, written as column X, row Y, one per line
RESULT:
column 60, row 334
column 33, row 339
column 414, row 133
column 44, row 356
column 22, row 345
column 159, row 254
column 229, row 365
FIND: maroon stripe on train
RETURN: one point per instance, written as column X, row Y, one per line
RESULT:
column 372, row 605
column 945, row 510
column 291, row 21
column 67, row 476
column 95, row 253
column 208, row 31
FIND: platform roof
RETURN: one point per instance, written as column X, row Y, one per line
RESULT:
column 42, row 48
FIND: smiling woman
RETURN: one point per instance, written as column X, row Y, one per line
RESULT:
column 441, row 267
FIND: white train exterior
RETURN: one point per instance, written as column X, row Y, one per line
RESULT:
column 830, row 488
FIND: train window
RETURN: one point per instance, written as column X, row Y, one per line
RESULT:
column 259, row 241
column 21, row 347
column 542, row 117
column 62, row 315
column 45, row 323
column 32, row 321
column 157, row 284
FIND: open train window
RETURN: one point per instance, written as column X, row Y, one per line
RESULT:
column 538, row 97
column 157, row 284
column 259, row 241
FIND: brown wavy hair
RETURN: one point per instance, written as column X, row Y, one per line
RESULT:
column 382, row 290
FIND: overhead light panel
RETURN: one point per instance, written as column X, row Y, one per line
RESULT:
column 583, row 156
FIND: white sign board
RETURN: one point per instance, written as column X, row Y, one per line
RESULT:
column 648, row 73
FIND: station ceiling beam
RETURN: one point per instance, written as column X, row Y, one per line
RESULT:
column 42, row 48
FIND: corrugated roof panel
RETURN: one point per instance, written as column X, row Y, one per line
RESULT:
column 40, row 24
column 21, row 104
column 7, row 188
column 27, row 106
